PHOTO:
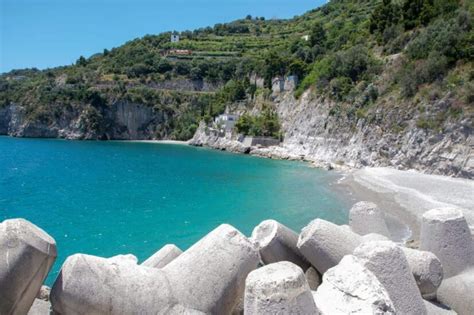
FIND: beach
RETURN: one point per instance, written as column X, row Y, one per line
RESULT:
column 406, row 195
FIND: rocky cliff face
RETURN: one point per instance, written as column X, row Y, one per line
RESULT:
column 122, row 120
column 386, row 135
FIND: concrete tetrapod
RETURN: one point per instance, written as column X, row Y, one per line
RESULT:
column 365, row 218
column 278, row 288
column 26, row 256
column 163, row 257
column 458, row 292
column 388, row 263
column 276, row 242
column 351, row 288
column 324, row 244
column 207, row 278
column 427, row 270
column 445, row 233
column 94, row 285
column 210, row 276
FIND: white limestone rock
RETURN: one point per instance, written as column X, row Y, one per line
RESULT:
column 388, row 263
column 278, row 288
column 324, row 244
column 210, row 276
column 313, row 278
column 350, row 288
column 427, row 270
column 163, row 257
column 26, row 256
column 445, row 233
column 365, row 218
column 277, row 242
column 458, row 292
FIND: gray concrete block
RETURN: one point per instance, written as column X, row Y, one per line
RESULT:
column 210, row 276
column 445, row 233
column 324, row 244
column 40, row 307
column 279, row 288
column 26, row 256
column 276, row 242
column 313, row 278
column 458, row 292
column 365, row 218
column 427, row 270
column 163, row 257
column 388, row 263
column 351, row 288
column 94, row 285
column 438, row 309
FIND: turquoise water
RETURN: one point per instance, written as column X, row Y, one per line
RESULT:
column 109, row 198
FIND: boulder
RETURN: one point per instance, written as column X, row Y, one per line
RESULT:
column 388, row 263
column 351, row 288
column 445, row 233
column 130, row 289
column 313, row 278
column 457, row 292
column 40, row 307
column 427, row 270
column 279, row 288
column 210, row 276
column 26, row 256
column 163, row 257
column 324, row 244
column 365, row 218
column 276, row 242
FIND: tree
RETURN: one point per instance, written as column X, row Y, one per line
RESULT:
column 81, row 62
column 318, row 35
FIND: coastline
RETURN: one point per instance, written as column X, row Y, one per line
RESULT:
column 178, row 142
column 404, row 195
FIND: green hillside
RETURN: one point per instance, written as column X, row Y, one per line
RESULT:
column 407, row 49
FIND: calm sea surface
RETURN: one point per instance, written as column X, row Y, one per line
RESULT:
column 110, row 198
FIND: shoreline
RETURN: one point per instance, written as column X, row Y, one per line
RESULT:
column 403, row 195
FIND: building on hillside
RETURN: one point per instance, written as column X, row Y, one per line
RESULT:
column 305, row 38
column 174, row 38
column 226, row 121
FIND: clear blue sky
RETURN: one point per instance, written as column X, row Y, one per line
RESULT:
column 48, row 33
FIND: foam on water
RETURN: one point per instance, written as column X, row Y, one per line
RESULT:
column 110, row 198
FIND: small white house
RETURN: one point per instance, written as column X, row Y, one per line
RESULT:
column 305, row 38
column 174, row 38
column 226, row 121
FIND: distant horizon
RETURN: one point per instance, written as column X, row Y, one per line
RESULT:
column 46, row 34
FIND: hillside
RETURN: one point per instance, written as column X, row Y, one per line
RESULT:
column 380, row 83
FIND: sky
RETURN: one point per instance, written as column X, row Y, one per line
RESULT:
column 49, row 33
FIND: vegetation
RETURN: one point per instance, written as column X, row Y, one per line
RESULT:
column 265, row 124
column 345, row 50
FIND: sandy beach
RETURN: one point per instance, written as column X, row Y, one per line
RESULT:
column 406, row 195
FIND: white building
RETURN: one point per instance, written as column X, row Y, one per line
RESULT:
column 305, row 37
column 226, row 121
column 174, row 38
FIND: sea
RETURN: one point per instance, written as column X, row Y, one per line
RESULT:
column 118, row 197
